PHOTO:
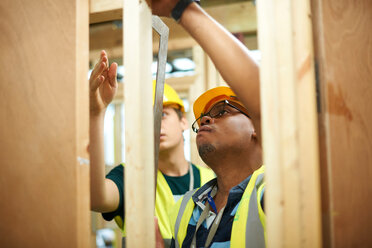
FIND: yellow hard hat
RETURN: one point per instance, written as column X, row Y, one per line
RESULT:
column 212, row 96
column 170, row 96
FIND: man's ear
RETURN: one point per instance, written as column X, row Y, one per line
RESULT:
column 184, row 123
column 254, row 135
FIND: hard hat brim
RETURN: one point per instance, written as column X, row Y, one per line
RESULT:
column 204, row 102
column 170, row 96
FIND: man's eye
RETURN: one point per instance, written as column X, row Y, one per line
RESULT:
column 222, row 112
column 164, row 114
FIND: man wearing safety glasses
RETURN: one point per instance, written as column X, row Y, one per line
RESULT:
column 227, row 211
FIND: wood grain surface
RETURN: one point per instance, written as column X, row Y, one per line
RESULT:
column 289, row 124
column 343, row 41
column 44, row 195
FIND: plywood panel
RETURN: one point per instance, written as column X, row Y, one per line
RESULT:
column 344, row 56
column 43, row 189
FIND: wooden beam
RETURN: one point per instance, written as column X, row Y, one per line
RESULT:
column 289, row 123
column 196, row 90
column 44, row 188
column 118, row 130
column 236, row 17
column 181, row 84
column 139, row 131
column 343, row 52
column 82, row 123
column 105, row 10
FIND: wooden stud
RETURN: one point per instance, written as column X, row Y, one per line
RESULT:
column 343, row 52
column 105, row 10
column 289, row 124
column 139, row 128
column 211, row 74
column 82, row 122
column 44, row 180
column 118, row 129
column 213, row 77
column 196, row 89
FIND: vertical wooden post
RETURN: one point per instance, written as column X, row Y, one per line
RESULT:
column 118, row 128
column 289, row 124
column 196, row 90
column 214, row 78
column 343, row 52
column 139, row 128
column 82, row 121
column 211, row 73
column 44, row 189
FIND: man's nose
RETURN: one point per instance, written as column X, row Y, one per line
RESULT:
column 205, row 120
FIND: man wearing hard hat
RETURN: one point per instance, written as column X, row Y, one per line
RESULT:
column 226, row 211
column 175, row 176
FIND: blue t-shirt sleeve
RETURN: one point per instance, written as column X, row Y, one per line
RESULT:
column 117, row 176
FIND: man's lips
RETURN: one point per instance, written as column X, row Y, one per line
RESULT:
column 205, row 129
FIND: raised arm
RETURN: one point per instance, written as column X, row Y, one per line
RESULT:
column 229, row 55
column 102, row 89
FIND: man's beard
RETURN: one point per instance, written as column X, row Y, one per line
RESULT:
column 205, row 151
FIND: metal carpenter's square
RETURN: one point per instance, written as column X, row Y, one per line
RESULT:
column 163, row 32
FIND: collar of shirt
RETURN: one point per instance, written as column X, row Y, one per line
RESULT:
column 201, row 194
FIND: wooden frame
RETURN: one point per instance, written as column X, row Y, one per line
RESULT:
column 139, row 132
column 236, row 17
column 343, row 52
column 118, row 130
column 44, row 178
column 39, row 177
column 289, row 124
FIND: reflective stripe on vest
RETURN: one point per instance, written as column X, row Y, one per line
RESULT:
column 249, row 223
column 249, row 216
column 186, row 198
column 254, row 232
column 165, row 200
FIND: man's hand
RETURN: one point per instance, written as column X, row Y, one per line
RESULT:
column 102, row 84
column 163, row 7
column 159, row 239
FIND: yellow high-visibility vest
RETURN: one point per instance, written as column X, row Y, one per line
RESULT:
column 165, row 202
column 248, row 229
